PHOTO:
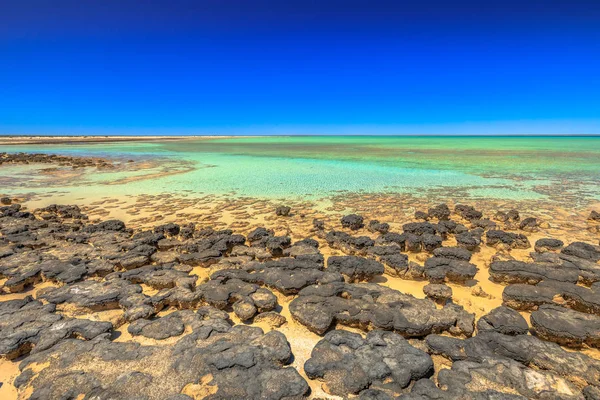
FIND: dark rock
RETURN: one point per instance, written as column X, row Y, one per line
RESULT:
column 503, row 320
column 438, row 292
column 431, row 242
column 170, row 325
column 422, row 215
column 565, row 326
column 283, row 211
column 548, row 244
column 484, row 223
column 455, row 253
column 589, row 271
column 583, row 250
column 392, row 238
column 467, row 212
column 272, row 318
column 5, row 201
column 216, row 361
column 452, row 227
column 221, row 291
column 276, row 245
column 591, row 393
column 355, row 268
column 113, row 225
column 159, row 277
column 455, row 387
column 521, row 272
column 527, row 365
column 69, row 272
column 380, row 227
column 170, row 229
column 55, row 212
column 529, row 224
column 509, row 216
column 395, row 264
column 286, row 275
column 508, row 239
column 349, row 244
column 352, row 221
column 348, row 364
column 529, row 297
column 468, row 240
column 258, row 234
column 95, row 296
column 413, row 243
column 29, row 326
column 594, row 216
column 369, row 305
column 441, row 212
column 419, row 228
column 440, row 269
column 307, row 242
column 318, row 224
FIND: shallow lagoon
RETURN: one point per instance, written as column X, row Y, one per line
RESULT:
column 314, row 167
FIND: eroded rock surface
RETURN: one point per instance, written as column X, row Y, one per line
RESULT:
column 565, row 326
column 238, row 362
column 29, row 326
column 372, row 306
column 349, row 363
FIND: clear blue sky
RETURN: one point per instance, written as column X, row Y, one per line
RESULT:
column 311, row 67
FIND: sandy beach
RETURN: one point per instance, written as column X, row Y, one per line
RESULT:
column 110, row 269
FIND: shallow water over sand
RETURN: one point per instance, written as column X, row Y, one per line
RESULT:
column 563, row 169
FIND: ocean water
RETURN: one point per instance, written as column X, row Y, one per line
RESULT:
column 315, row 167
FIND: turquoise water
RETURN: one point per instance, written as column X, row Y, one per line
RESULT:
column 313, row 167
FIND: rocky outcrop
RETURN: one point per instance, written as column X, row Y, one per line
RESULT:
column 371, row 306
column 355, row 269
column 215, row 362
column 521, row 272
column 548, row 244
column 286, row 275
column 30, row 326
column 583, row 250
column 565, row 326
column 349, row 363
column 441, row 269
column 530, row 297
column 438, row 292
column 378, row 227
column 352, row 221
column 498, row 238
column 503, row 320
column 519, row 364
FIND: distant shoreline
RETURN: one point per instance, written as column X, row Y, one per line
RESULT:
column 51, row 139
column 20, row 140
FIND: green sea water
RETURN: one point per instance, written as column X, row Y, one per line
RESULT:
column 315, row 167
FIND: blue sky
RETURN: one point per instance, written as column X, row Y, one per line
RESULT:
column 299, row 67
